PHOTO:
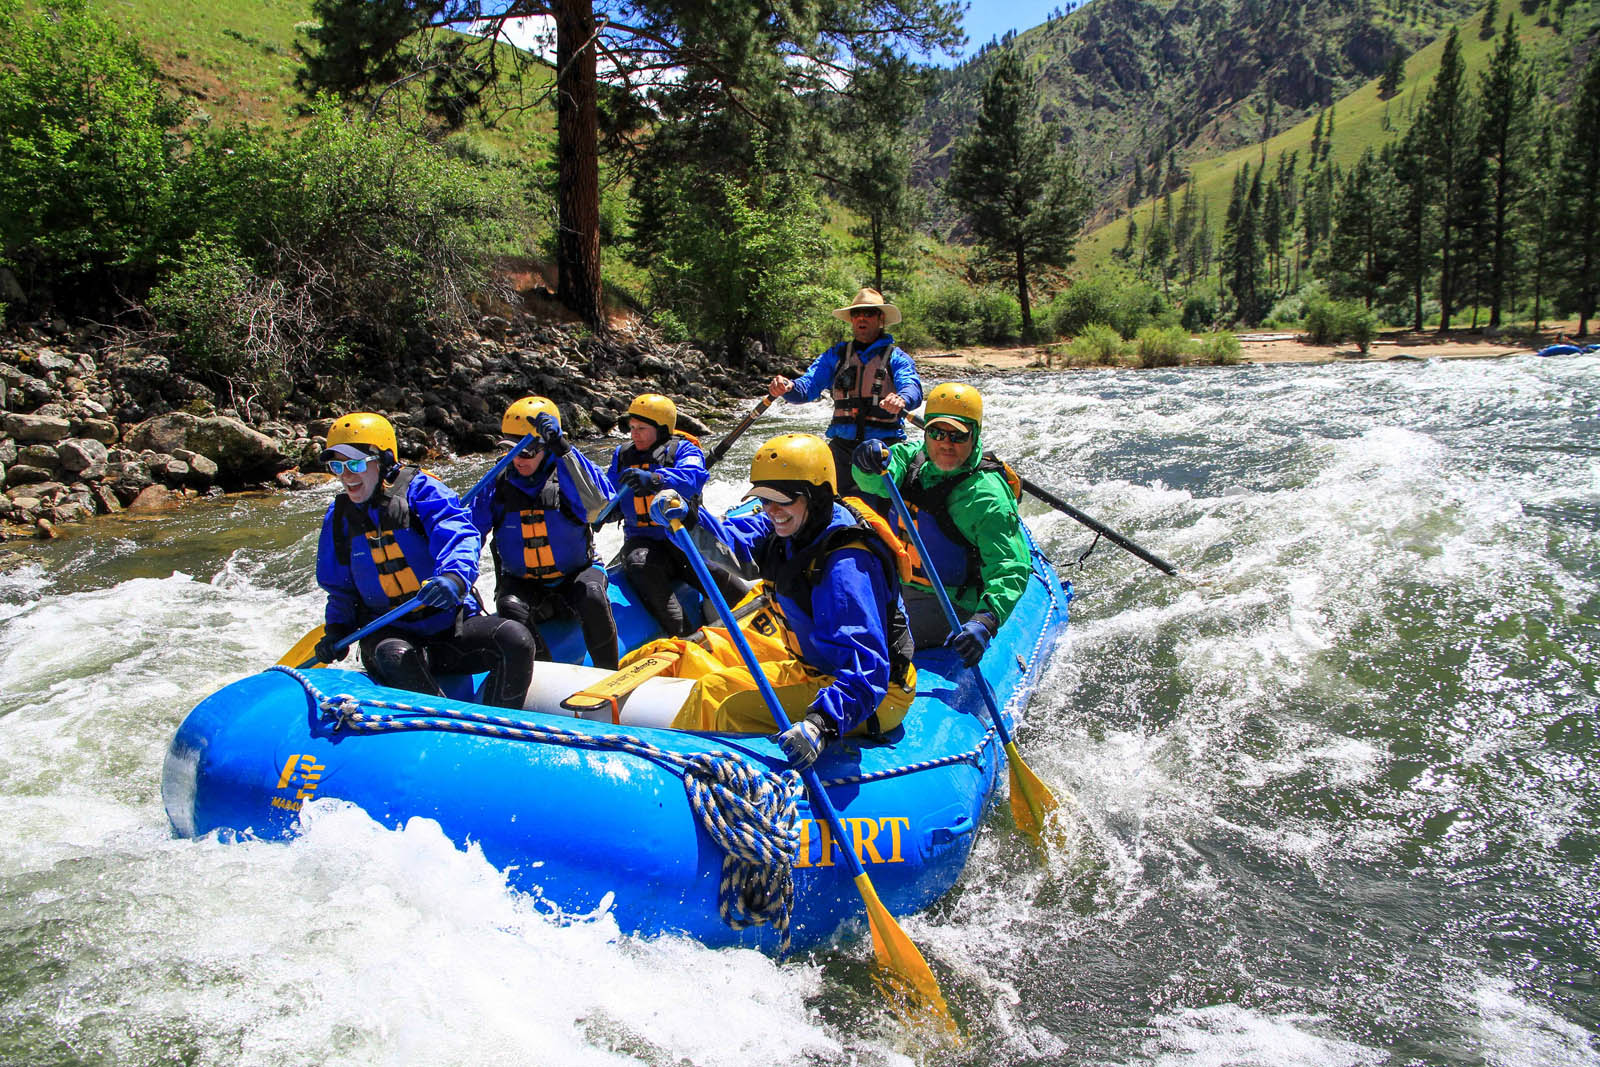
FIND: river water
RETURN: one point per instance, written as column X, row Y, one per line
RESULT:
column 1335, row 789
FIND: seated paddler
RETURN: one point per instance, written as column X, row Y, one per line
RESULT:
column 538, row 512
column 659, row 457
column 832, row 571
column 965, row 506
column 397, row 534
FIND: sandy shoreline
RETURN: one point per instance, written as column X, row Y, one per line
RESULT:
column 1257, row 348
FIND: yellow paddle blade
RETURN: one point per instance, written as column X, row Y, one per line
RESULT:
column 303, row 649
column 1031, row 800
column 908, row 975
column 618, row 684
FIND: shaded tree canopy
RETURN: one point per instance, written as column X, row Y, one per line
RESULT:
column 760, row 61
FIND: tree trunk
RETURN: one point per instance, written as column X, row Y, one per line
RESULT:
column 1022, row 295
column 577, row 139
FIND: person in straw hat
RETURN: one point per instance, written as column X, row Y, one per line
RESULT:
column 873, row 382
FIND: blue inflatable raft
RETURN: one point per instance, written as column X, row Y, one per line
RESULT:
column 639, row 820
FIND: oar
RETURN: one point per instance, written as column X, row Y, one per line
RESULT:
column 895, row 951
column 301, row 654
column 379, row 623
column 1094, row 524
column 1031, row 800
column 738, row 431
column 600, row 518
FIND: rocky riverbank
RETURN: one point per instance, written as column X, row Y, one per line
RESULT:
column 92, row 422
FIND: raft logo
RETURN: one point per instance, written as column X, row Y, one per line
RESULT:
column 865, row 840
column 762, row 624
column 303, row 774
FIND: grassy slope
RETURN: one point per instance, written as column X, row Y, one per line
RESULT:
column 1358, row 125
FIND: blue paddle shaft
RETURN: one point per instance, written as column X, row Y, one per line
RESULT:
column 944, row 601
column 819, row 798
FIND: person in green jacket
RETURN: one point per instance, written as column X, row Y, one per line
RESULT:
column 966, row 511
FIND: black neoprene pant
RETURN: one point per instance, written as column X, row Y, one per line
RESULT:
column 503, row 647
column 654, row 567
column 585, row 594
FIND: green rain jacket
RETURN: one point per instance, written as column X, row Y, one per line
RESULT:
column 983, row 509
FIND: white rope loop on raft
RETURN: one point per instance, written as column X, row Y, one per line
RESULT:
column 751, row 813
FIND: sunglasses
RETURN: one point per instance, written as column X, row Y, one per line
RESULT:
column 354, row 466
column 955, row 437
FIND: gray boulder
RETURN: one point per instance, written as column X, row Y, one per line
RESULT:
column 240, row 453
column 26, row 428
column 82, row 456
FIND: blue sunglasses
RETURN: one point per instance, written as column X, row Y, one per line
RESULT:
column 354, row 466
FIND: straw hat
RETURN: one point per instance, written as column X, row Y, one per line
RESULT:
column 870, row 298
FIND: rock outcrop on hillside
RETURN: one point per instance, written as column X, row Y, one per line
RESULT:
column 91, row 423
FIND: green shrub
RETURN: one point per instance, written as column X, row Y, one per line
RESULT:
column 1199, row 312
column 88, row 154
column 1111, row 299
column 957, row 315
column 1163, row 346
column 1097, row 343
column 736, row 260
column 1330, row 322
column 1219, row 348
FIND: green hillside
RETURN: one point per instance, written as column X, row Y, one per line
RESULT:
column 1361, row 120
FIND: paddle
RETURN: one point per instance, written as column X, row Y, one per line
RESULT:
column 733, row 435
column 1094, row 524
column 301, row 654
column 1031, row 800
column 895, row 952
column 376, row 624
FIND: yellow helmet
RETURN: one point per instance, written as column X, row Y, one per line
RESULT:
column 656, row 408
column 795, row 457
column 365, row 429
column 953, row 398
column 518, row 420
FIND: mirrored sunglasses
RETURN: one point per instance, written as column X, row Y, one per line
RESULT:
column 354, row 466
column 944, row 433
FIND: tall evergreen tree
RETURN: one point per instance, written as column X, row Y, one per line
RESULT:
column 763, row 64
column 1394, row 75
column 1021, row 192
column 1537, row 218
column 1414, row 245
column 1360, row 256
column 1505, row 94
column 1578, row 199
column 873, row 166
column 1445, row 135
column 1241, row 246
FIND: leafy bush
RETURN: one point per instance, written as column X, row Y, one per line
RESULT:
column 1199, row 312
column 1110, row 299
column 1219, row 348
column 88, row 153
column 1329, row 322
column 735, row 260
column 956, row 315
column 1163, row 346
column 357, row 232
column 1096, row 343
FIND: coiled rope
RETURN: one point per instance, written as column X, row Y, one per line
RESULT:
column 751, row 813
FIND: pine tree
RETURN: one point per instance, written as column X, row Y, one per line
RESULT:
column 1394, row 75
column 1578, row 199
column 1491, row 12
column 1505, row 93
column 1021, row 192
column 1445, row 132
column 1536, row 218
column 1359, row 256
column 1414, row 245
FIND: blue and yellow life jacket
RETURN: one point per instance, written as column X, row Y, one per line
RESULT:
column 539, row 537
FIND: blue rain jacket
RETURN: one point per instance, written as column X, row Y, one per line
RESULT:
column 684, row 472
column 568, row 502
column 820, row 375
column 450, row 544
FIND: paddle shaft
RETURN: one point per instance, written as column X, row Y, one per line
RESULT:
column 944, row 602
column 738, row 431
column 1092, row 523
column 819, row 798
column 394, row 614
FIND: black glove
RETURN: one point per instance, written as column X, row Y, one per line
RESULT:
column 331, row 649
column 640, row 480
column 549, row 431
column 804, row 741
column 970, row 641
column 442, row 591
column 871, row 456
